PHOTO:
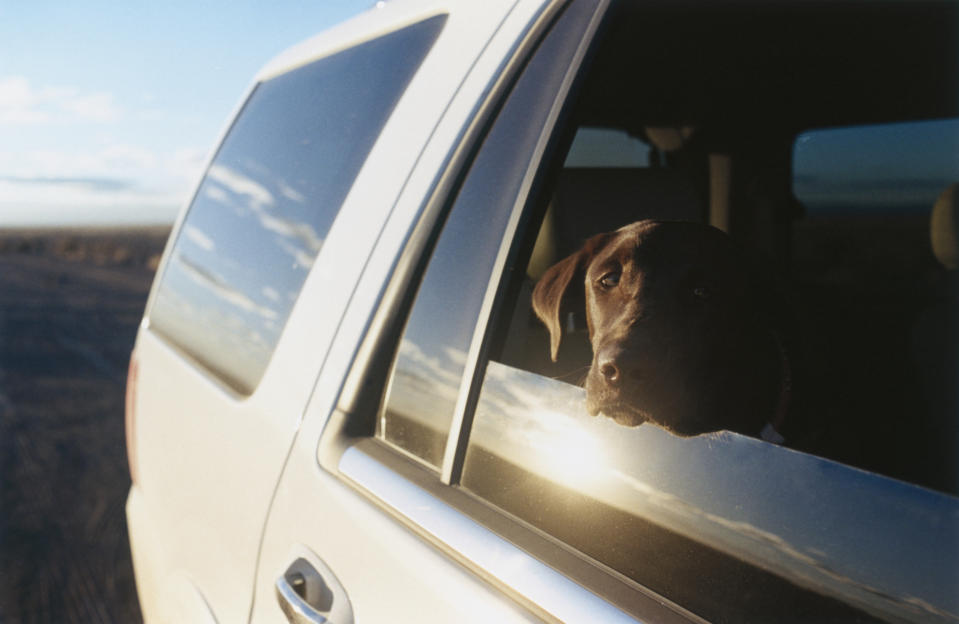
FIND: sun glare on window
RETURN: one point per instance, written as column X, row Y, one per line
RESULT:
column 565, row 451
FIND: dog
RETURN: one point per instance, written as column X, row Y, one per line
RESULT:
column 687, row 332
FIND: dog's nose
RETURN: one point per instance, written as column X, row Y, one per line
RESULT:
column 609, row 370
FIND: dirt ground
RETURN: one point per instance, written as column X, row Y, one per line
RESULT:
column 70, row 304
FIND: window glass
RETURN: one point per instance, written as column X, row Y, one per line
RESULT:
column 704, row 519
column 606, row 147
column 265, row 205
column 890, row 168
column 874, row 272
column 428, row 369
column 429, row 366
column 852, row 515
column 698, row 519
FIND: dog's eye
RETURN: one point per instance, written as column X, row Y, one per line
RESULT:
column 610, row 280
column 702, row 293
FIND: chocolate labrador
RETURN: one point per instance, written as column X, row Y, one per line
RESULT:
column 686, row 332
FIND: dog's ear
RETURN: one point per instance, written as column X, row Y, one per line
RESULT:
column 552, row 287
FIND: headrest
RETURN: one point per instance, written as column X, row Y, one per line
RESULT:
column 669, row 139
column 588, row 201
column 944, row 228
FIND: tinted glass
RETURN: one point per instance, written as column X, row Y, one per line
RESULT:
column 874, row 266
column 429, row 366
column 267, row 202
column 736, row 528
column 606, row 147
column 900, row 167
column 730, row 527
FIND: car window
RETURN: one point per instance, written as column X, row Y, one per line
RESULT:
column 874, row 271
column 661, row 508
column 424, row 391
column 725, row 525
column 827, row 268
column 269, row 197
column 606, row 147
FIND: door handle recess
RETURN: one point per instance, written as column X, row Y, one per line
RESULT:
column 305, row 596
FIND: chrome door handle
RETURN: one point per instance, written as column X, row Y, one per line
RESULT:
column 292, row 595
column 309, row 593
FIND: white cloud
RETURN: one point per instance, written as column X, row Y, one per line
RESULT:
column 18, row 102
column 91, row 107
column 239, row 184
column 270, row 293
column 200, row 239
column 187, row 163
column 115, row 183
column 218, row 287
column 23, row 103
column 67, row 202
column 119, row 162
column 58, row 158
column 116, row 161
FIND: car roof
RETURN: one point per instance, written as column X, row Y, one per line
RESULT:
column 380, row 19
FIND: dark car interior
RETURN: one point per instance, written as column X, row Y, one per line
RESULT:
column 722, row 99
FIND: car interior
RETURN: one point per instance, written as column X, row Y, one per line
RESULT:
column 714, row 108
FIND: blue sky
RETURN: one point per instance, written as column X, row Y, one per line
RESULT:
column 108, row 110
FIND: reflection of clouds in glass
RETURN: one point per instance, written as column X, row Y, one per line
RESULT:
column 293, row 229
column 416, row 363
column 301, row 257
column 812, row 567
column 216, row 194
column 565, row 450
column 270, row 293
column 298, row 237
column 239, row 184
column 815, row 522
column 218, row 287
column 198, row 238
column 290, row 193
column 217, row 333
column 425, row 388
column 456, row 356
column 507, row 407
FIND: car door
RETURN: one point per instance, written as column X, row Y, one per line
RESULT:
column 444, row 470
column 387, row 571
column 232, row 341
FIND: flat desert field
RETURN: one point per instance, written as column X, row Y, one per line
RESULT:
column 70, row 303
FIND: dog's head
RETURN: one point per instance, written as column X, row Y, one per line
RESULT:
column 679, row 324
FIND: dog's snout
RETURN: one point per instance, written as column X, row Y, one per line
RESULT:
column 609, row 370
column 609, row 365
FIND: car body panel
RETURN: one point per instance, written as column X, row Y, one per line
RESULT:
column 190, row 428
column 233, row 495
column 303, row 511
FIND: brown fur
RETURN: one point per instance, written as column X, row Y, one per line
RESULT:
column 684, row 330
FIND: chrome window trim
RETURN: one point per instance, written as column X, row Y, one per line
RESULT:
column 420, row 234
column 538, row 586
column 458, row 437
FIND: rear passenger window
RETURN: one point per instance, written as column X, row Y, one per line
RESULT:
column 874, row 267
column 268, row 199
column 731, row 526
column 838, row 504
column 607, row 147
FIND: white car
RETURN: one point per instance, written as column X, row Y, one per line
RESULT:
column 341, row 407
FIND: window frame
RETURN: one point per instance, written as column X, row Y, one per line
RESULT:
column 396, row 482
column 234, row 385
